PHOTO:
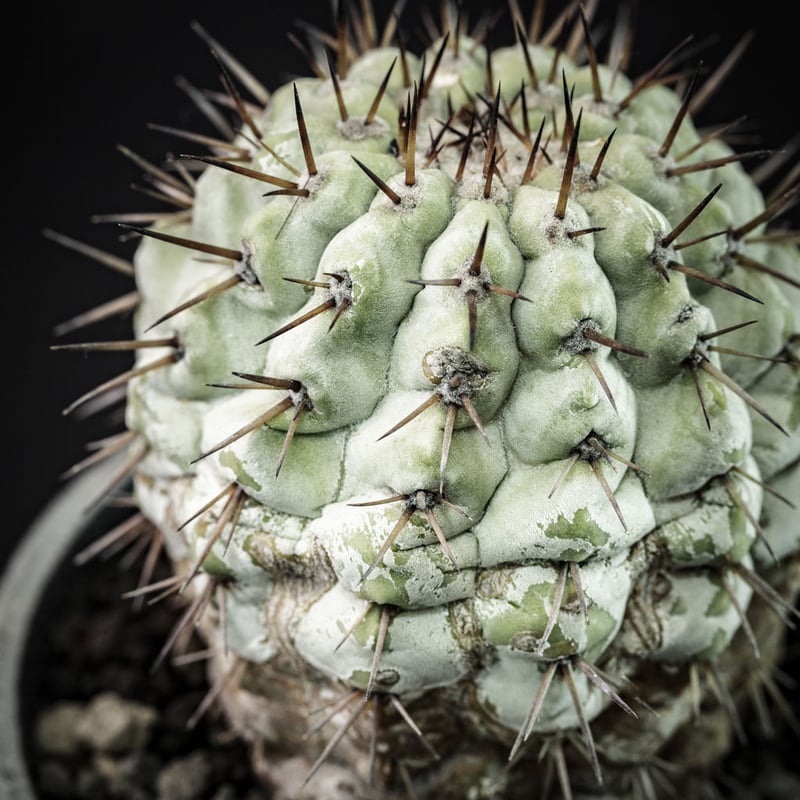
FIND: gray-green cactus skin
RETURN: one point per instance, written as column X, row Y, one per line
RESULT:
column 453, row 441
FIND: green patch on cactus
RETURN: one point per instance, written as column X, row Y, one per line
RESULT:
column 580, row 526
column 719, row 642
column 229, row 460
column 679, row 607
column 794, row 413
column 215, row 567
column 718, row 404
column 720, row 603
column 735, row 456
column 381, row 589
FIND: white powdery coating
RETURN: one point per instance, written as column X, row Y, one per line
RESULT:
column 570, row 405
column 694, row 621
column 507, row 688
column 245, row 600
column 420, row 572
column 166, row 275
column 156, row 500
column 175, row 423
column 421, row 651
column 408, row 460
column 523, row 521
column 674, row 407
column 433, row 579
column 707, row 527
column 607, row 584
column 511, row 614
column 302, row 487
column 246, row 597
column 777, row 391
column 780, row 518
column 288, row 532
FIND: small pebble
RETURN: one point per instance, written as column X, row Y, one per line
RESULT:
column 56, row 729
column 185, row 778
column 111, row 724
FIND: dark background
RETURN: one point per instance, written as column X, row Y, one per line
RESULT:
column 82, row 81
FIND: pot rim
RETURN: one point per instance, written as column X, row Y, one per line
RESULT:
column 48, row 541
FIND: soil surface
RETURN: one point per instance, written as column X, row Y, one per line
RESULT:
column 106, row 726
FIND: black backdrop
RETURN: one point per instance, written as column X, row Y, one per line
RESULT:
column 82, row 80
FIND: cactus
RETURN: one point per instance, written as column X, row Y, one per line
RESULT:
column 465, row 405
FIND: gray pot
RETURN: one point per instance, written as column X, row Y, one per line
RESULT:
column 30, row 575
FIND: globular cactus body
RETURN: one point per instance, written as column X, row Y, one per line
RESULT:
column 457, row 434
